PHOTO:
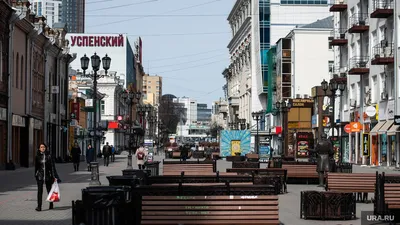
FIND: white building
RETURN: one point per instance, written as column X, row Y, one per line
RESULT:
column 50, row 9
column 366, row 39
column 255, row 25
column 190, row 127
column 118, row 48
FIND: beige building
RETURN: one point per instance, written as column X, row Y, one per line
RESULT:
column 152, row 89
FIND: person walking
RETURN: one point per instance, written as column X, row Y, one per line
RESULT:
column 89, row 156
column 45, row 173
column 112, row 153
column 106, row 154
column 140, row 155
column 76, row 156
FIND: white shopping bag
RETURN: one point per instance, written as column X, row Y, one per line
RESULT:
column 54, row 194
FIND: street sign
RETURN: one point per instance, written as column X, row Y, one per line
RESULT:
column 347, row 128
column 355, row 126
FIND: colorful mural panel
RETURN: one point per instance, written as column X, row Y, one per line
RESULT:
column 234, row 141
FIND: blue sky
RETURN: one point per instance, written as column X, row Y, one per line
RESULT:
column 180, row 44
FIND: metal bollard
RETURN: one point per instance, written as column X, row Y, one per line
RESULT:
column 95, row 177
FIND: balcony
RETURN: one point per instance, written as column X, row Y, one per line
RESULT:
column 382, row 8
column 358, row 23
column 359, row 65
column 338, row 6
column 383, row 53
column 338, row 37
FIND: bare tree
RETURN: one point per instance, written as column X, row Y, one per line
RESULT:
column 170, row 113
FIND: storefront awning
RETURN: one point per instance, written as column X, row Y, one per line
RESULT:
column 376, row 128
column 393, row 130
column 385, row 127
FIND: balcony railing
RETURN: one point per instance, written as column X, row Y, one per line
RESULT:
column 382, row 8
column 338, row 71
column 383, row 53
column 359, row 65
column 359, row 23
column 338, row 5
column 338, row 37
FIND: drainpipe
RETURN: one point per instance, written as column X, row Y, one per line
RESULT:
column 396, row 73
column 58, row 104
column 9, row 163
column 46, row 94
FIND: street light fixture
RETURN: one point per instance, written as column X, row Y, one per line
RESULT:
column 257, row 116
column 333, row 87
column 95, row 66
column 284, row 108
column 129, row 98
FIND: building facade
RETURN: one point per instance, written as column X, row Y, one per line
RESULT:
column 73, row 14
column 5, row 17
column 152, row 89
column 366, row 43
column 50, row 9
column 255, row 25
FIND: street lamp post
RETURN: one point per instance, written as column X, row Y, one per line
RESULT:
column 257, row 116
column 284, row 108
column 106, row 61
column 129, row 98
column 333, row 87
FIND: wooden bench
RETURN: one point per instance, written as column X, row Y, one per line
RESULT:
column 264, row 172
column 176, row 169
column 232, row 210
column 392, row 196
column 351, row 183
column 301, row 171
column 202, row 184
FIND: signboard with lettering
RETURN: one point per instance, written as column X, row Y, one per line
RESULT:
column 97, row 41
column 301, row 103
column 365, row 144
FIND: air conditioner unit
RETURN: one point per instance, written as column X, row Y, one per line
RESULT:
column 305, row 96
column 341, row 1
column 343, row 36
column 298, row 95
column 387, row 52
column 362, row 23
column 367, row 89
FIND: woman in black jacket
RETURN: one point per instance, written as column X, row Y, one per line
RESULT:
column 45, row 173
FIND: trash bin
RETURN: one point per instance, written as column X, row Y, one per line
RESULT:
column 106, row 205
column 154, row 167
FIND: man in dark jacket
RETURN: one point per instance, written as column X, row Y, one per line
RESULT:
column 106, row 154
column 76, row 156
column 45, row 173
column 324, row 152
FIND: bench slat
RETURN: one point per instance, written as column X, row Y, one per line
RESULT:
column 236, row 197
column 247, row 208
column 212, row 212
column 200, row 222
column 210, row 217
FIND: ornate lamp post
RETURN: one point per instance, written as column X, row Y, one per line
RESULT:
column 95, row 59
column 257, row 116
column 129, row 98
column 242, row 124
column 333, row 87
column 284, row 108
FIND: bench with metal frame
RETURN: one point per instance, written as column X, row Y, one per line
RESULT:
column 232, row 210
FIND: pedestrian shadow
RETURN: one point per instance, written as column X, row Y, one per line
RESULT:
column 35, row 222
column 60, row 208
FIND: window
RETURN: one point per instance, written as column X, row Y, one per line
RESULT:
column 353, row 91
column 149, row 81
column 148, row 91
column 22, row 72
column 382, row 85
column 358, row 93
column 304, row 2
column 157, row 87
column 149, row 87
column 331, row 65
column 374, row 90
column 157, row 82
column 391, row 85
column 102, row 107
column 374, row 37
column 16, row 72
column 1, row 61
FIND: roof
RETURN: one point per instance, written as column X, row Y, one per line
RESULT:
column 323, row 23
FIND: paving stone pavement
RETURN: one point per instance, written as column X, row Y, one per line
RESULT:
column 18, row 195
